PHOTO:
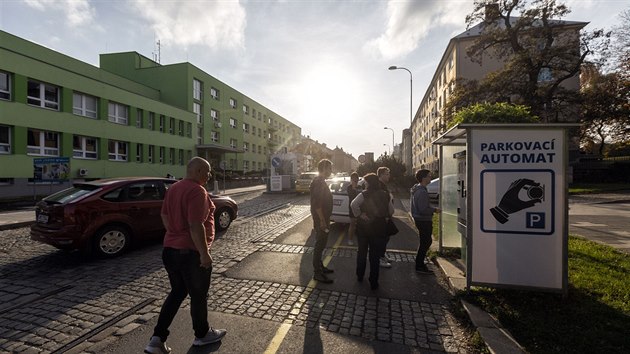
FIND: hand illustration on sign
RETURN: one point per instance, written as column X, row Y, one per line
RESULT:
column 511, row 202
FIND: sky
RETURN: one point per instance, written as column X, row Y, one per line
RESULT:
column 323, row 65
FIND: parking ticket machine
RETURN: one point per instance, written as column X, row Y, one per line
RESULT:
column 460, row 157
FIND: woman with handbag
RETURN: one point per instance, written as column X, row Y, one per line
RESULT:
column 373, row 208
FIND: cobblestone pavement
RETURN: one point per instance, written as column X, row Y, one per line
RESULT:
column 55, row 301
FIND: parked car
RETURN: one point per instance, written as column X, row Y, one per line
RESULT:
column 341, row 203
column 303, row 182
column 107, row 215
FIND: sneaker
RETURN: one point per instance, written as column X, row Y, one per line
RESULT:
column 385, row 263
column 213, row 336
column 156, row 346
column 423, row 270
column 322, row 278
column 327, row 270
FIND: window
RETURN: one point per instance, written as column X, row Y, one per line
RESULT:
column 181, row 156
column 171, row 125
column 189, row 129
column 139, row 115
column 197, row 90
column 246, row 146
column 5, row 139
column 43, row 95
column 197, row 111
column 84, row 105
column 246, row 127
column 5, row 86
column 180, row 127
column 233, row 123
column 117, row 150
column 254, row 113
column 138, row 152
column 84, row 147
column 259, row 116
column 245, row 165
column 232, row 164
column 259, row 132
column 260, row 149
column 43, row 143
column 171, row 156
column 214, row 93
column 544, row 75
column 232, row 103
column 162, row 152
column 245, row 109
column 214, row 136
column 233, row 143
column 151, row 120
column 254, row 131
column 118, row 113
column 151, row 153
column 265, row 150
column 214, row 114
column 162, row 119
column 254, row 148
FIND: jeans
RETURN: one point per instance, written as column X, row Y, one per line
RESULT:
column 186, row 278
column 425, row 228
column 321, row 239
column 372, row 243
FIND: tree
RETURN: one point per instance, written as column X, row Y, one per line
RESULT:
column 621, row 52
column 539, row 53
column 396, row 167
column 493, row 113
column 605, row 108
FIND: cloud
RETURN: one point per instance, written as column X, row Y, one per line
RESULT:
column 215, row 24
column 409, row 22
column 77, row 12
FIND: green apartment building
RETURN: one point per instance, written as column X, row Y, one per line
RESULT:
column 129, row 117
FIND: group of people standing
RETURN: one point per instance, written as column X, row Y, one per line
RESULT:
column 370, row 212
column 187, row 215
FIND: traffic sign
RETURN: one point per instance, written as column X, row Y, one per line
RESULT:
column 275, row 161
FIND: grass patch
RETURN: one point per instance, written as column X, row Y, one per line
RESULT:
column 594, row 318
column 588, row 188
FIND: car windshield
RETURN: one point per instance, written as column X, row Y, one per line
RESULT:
column 71, row 194
column 307, row 176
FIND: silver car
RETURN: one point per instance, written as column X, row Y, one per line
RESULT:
column 341, row 203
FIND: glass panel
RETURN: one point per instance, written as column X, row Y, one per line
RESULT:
column 4, row 81
column 448, row 198
column 50, row 93
column 33, row 137
column 76, row 142
column 50, row 140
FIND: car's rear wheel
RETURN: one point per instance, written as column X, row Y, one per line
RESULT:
column 222, row 219
column 112, row 241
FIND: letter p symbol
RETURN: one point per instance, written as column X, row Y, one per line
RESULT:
column 535, row 220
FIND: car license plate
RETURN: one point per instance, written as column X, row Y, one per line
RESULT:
column 337, row 202
column 42, row 218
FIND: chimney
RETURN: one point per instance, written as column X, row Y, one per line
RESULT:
column 492, row 12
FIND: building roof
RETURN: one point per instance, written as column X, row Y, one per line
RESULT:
column 476, row 30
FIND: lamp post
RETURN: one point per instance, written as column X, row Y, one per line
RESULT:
column 392, row 136
column 394, row 67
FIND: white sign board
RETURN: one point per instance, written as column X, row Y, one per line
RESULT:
column 518, row 204
column 276, row 183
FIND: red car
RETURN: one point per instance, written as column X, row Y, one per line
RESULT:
column 107, row 215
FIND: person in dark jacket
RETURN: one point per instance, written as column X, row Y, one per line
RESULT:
column 321, row 210
column 373, row 207
column 422, row 213
column 383, row 174
column 352, row 190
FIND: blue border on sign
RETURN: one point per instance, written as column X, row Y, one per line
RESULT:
column 553, row 203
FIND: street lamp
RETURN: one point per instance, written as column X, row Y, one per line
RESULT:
column 394, row 67
column 392, row 136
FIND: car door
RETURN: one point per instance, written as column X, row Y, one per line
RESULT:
column 143, row 203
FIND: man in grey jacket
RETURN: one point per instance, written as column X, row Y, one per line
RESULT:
column 422, row 213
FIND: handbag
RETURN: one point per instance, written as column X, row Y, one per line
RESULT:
column 391, row 228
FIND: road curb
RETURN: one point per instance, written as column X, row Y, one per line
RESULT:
column 15, row 225
column 497, row 339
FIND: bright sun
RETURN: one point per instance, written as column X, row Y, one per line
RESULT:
column 329, row 94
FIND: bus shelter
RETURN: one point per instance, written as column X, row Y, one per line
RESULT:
column 503, row 195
